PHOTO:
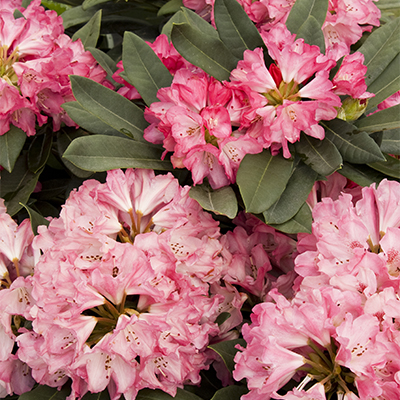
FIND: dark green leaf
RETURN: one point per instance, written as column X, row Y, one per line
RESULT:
column 39, row 150
column 205, row 51
column 301, row 222
column 303, row 9
column 295, row 194
column 148, row 394
column 36, row 219
column 385, row 119
column 102, row 153
column 46, row 393
column 106, row 62
column 18, row 14
column 391, row 167
column 177, row 18
column 76, row 16
column 262, row 178
column 226, row 350
column 391, row 142
column 109, row 107
column 221, row 201
column 90, row 3
column 311, row 32
column 11, row 144
column 222, row 318
column 170, row 8
column 235, row 28
column 25, row 3
column 56, row 6
column 143, row 69
column 361, row 174
column 233, row 392
column 380, row 48
column 89, row 33
column 354, row 146
column 194, row 20
column 97, row 396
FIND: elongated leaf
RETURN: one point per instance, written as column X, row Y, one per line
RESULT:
column 11, row 144
column 143, row 69
column 46, row 393
column 380, row 48
column 227, row 350
column 385, row 119
column 90, row 3
column 204, row 51
column 311, row 32
column 235, row 28
column 39, row 150
column 233, row 392
column 109, row 107
column 196, row 21
column 301, row 222
column 102, row 153
column 106, row 62
column 386, row 84
column 355, row 147
column 303, row 9
column 295, row 194
column 76, row 16
column 262, row 178
column 221, row 201
column 170, row 8
column 391, row 167
column 361, row 174
column 321, row 155
column 391, row 141
column 97, row 396
column 35, row 218
column 148, row 394
column 90, row 32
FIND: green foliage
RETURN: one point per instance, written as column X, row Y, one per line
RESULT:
column 227, row 351
column 89, row 33
column 11, row 144
column 382, row 120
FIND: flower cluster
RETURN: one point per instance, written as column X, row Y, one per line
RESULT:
column 36, row 58
column 339, row 332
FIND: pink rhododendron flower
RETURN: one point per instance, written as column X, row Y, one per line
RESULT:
column 36, row 58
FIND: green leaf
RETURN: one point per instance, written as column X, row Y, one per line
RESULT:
column 303, row 9
column 11, row 144
column 205, row 51
column 109, row 107
column 170, row 8
column 25, row 3
column 262, row 178
column 385, row 85
column 221, row 201
column 18, row 14
column 391, row 141
column 233, row 392
column 75, row 16
column 56, row 6
column 391, row 167
column 321, row 155
column 295, row 194
column 102, row 153
column 46, row 393
column 311, row 32
column 382, row 120
column 235, row 28
column 361, row 174
column 89, row 33
column 226, row 350
column 143, row 69
column 36, row 219
column 148, row 394
column 105, row 61
column 354, row 146
column 380, row 48
column 97, row 396
column 301, row 222
column 90, row 3
column 39, row 150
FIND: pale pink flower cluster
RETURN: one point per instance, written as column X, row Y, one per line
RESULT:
column 127, row 291
column 36, row 58
column 339, row 334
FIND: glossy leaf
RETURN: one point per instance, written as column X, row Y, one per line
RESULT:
column 106, row 62
column 221, row 201
column 262, row 178
column 11, row 144
column 35, row 218
column 301, row 222
column 90, row 32
column 303, row 9
column 170, row 7
column 391, row 167
column 361, row 174
column 354, row 146
column 321, row 155
column 227, row 350
column 148, row 394
column 295, row 194
column 385, row 119
column 205, row 51
column 39, row 150
column 235, row 28
column 109, row 107
column 102, row 153
column 311, row 32
column 143, row 69
column 233, row 392
column 196, row 21
column 90, row 3
column 42, row 392
column 391, row 141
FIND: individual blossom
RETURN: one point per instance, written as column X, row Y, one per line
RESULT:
column 127, row 290
column 283, row 99
column 36, row 58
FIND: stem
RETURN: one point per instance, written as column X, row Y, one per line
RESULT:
column 16, row 264
column 115, row 313
column 317, row 366
column 134, row 227
column 121, row 305
column 320, row 353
